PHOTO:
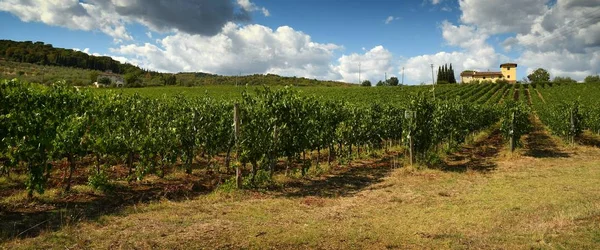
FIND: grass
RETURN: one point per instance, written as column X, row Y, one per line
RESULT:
column 526, row 201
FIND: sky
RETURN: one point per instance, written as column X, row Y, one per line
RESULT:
column 343, row 40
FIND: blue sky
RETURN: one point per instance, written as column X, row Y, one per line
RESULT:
column 319, row 39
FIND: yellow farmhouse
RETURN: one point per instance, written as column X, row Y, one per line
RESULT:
column 508, row 72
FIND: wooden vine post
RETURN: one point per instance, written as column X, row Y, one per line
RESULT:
column 572, row 126
column 236, row 127
column 512, row 132
column 410, row 115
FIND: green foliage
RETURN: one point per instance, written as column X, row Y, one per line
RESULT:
column 228, row 186
column 562, row 80
column 515, row 120
column 366, row 83
column 262, row 179
column 104, row 80
column 446, row 75
column 539, row 75
column 39, row 62
column 41, row 124
column 99, row 181
column 393, row 81
column 94, row 76
column 133, row 79
column 564, row 119
column 592, row 79
column 45, row 54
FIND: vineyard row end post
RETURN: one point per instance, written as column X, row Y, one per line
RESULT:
column 236, row 127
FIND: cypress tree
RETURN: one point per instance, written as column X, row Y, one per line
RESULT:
column 445, row 73
column 452, row 77
column 439, row 74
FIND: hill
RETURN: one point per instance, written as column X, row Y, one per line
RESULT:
column 40, row 62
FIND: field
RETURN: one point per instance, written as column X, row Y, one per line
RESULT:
column 305, row 187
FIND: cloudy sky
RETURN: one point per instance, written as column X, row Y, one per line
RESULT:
column 323, row 39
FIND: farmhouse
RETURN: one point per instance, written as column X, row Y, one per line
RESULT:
column 114, row 78
column 508, row 72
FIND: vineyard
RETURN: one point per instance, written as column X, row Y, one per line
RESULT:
column 42, row 125
column 251, row 134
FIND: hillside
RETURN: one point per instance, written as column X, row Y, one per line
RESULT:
column 40, row 62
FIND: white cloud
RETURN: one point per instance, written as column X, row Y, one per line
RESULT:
column 463, row 35
column 237, row 49
column 390, row 19
column 436, row 2
column 251, row 7
column 418, row 69
column 374, row 64
column 475, row 54
column 256, row 49
column 149, row 34
column 502, row 16
column 563, row 37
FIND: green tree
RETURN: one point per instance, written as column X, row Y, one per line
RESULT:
column 393, row 81
column 93, row 76
column 539, row 75
column 445, row 74
column 366, row 83
column 452, row 77
column 380, row 84
column 133, row 79
column 104, row 80
column 560, row 79
column 592, row 79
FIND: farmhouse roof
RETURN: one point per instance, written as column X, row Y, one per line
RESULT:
column 475, row 73
column 508, row 65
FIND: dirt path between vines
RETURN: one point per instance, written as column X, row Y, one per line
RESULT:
column 528, row 93
column 541, row 96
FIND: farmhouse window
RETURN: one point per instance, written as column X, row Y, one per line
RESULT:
column 508, row 76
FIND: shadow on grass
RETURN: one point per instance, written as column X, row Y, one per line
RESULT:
column 343, row 181
column 477, row 157
column 539, row 144
column 33, row 217
column 589, row 139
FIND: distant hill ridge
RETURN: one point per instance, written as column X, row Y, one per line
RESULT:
column 30, row 56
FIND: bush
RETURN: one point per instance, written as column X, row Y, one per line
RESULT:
column 592, row 79
column 99, row 181
column 262, row 179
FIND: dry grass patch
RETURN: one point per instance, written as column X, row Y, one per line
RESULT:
column 525, row 202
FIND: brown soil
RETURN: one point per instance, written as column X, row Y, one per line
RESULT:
column 528, row 93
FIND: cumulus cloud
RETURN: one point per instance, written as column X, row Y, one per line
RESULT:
column 237, row 49
column 201, row 17
column 474, row 53
column 374, row 64
column 502, row 16
column 563, row 63
column 563, row 37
